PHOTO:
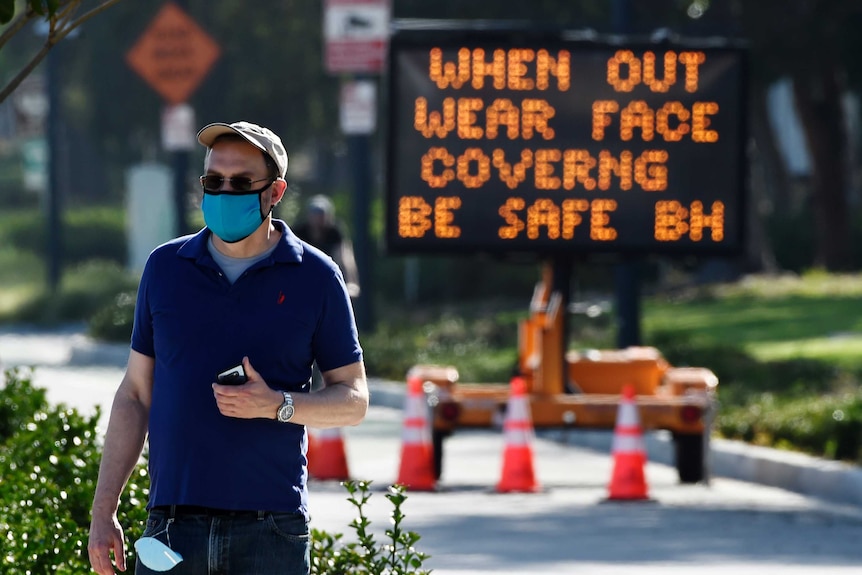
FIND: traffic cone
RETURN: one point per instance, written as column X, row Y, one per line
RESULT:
column 628, row 481
column 326, row 455
column 518, row 471
column 416, row 470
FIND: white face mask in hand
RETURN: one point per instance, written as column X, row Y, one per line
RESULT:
column 156, row 555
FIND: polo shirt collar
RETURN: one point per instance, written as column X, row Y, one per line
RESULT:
column 288, row 250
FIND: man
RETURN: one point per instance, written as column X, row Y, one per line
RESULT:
column 227, row 462
column 321, row 230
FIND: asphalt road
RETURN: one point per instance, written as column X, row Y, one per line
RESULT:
column 728, row 526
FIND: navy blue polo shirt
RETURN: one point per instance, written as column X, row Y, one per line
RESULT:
column 284, row 312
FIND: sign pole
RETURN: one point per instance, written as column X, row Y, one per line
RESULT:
column 359, row 151
column 180, row 163
column 180, row 169
column 358, row 118
column 356, row 37
column 627, row 272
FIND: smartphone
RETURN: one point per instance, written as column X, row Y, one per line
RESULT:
column 233, row 376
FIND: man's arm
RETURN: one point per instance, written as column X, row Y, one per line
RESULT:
column 344, row 400
column 124, row 441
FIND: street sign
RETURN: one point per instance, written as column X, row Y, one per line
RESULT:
column 506, row 141
column 178, row 128
column 358, row 107
column 355, row 33
column 173, row 54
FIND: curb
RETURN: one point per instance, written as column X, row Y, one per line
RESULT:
column 832, row 480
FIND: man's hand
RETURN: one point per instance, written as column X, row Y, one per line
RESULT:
column 106, row 536
column 253, row 399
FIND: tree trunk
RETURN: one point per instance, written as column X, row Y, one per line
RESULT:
column 769, row 184
column 818, row 101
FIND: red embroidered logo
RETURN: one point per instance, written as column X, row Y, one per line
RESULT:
column 280, row 299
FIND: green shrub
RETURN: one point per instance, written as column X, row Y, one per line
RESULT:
column 483, row 348
column 114, row 321
column 828, row 426
column 19, row 401
column 84, row 290
column 88, row 233
column 50, row 456
column 331, row 555
column 50, row 465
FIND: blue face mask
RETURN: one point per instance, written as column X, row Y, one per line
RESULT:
column 232, row 217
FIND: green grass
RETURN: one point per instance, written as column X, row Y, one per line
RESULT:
column 816, row 317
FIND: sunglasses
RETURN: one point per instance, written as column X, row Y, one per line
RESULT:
column 156, row 555
column 239, row 185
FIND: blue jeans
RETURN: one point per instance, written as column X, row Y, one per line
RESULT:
column 246, row 543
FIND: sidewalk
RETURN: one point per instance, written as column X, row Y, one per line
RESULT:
column 830, row 480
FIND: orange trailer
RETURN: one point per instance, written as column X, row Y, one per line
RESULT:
column 580, row 389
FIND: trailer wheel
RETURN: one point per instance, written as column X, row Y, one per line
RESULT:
column 690, row 457
column 437, row 438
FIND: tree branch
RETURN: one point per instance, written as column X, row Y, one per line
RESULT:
column 25, row 71
column 55, row 34
column 94, row 11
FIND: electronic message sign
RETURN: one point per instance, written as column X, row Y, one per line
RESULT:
column 505, row 141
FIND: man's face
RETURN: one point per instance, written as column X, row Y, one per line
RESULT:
column 231, row 159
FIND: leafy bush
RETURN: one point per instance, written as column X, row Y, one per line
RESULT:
column 114, row 321
column 829, row 426
column 330, row 555
column 88, row 233
column 483, row 348
column 19, row 401
column 50, row 465
column 84, row 290
column 50, row 458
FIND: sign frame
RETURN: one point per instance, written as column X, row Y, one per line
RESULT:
column 355, row 34
column 413, row 35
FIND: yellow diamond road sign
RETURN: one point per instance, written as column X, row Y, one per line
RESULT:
column 173, row 54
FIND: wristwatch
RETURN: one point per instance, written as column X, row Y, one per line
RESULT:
column 285, row 412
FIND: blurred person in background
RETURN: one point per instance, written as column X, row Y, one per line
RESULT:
column 227, row 459
column 321, row 229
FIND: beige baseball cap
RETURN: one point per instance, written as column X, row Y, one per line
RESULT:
column 262, row 138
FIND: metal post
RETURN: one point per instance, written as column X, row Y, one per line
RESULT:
column 180, row 161
column 627, row 272
column 562, row 284
column 359, row 151
column 627, row 286
column 181, row 168
column 53, row 194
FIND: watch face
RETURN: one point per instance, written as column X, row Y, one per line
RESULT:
column 285, row 412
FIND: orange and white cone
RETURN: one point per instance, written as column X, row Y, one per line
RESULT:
column 327, row 458
column 518, row 471
column 416, row 470
column 628, row 481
